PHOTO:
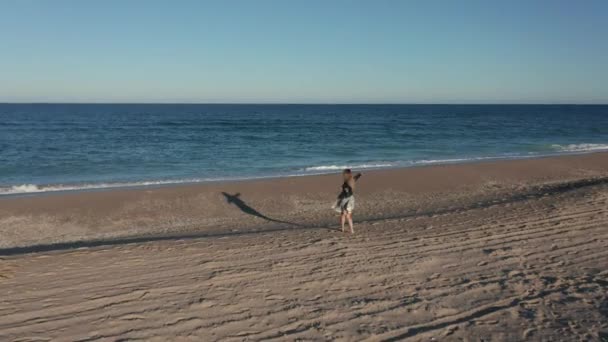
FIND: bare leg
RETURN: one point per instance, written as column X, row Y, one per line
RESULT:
column 343, row 220
column 349, row 216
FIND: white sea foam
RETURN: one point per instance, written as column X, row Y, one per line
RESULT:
column 580, row 147
column 457, row 160
column 342, row 167
column 322, row 168
column 23, row 188
column 33, row 188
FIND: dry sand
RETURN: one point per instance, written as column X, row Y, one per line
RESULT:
column 502, row 251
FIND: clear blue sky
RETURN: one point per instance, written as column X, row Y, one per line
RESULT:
column 304, row 51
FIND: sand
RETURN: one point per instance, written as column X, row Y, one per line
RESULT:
column 500, row 251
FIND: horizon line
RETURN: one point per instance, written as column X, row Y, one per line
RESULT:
column 317, row 103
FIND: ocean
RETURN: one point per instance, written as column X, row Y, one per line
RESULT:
column 59, row 147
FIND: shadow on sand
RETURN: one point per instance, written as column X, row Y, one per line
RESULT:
column 231, row 199
column 244, row 207
column 65, row 246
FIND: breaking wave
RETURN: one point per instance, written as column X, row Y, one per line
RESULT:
column 580, row 147
column 342, row 167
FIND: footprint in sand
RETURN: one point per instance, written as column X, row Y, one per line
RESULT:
column 434, row 276
column 275, row 297
column 132, row 317
column 528, row 333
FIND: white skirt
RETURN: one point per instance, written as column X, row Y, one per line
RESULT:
column 345, row 204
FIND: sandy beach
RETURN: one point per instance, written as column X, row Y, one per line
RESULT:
column 500, row 251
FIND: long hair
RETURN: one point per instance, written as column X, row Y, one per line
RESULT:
column 349, row 177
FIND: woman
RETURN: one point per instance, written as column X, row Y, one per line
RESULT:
column 346, row 200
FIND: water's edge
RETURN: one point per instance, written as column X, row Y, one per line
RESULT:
column 42, row 190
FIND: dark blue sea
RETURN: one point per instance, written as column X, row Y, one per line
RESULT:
column 53, row 147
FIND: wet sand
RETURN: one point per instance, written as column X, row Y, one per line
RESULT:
column 507, row 250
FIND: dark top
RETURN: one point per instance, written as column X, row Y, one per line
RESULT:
column 347, row 190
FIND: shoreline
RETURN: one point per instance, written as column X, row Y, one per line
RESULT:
column 52, row 189
column 286, row 203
